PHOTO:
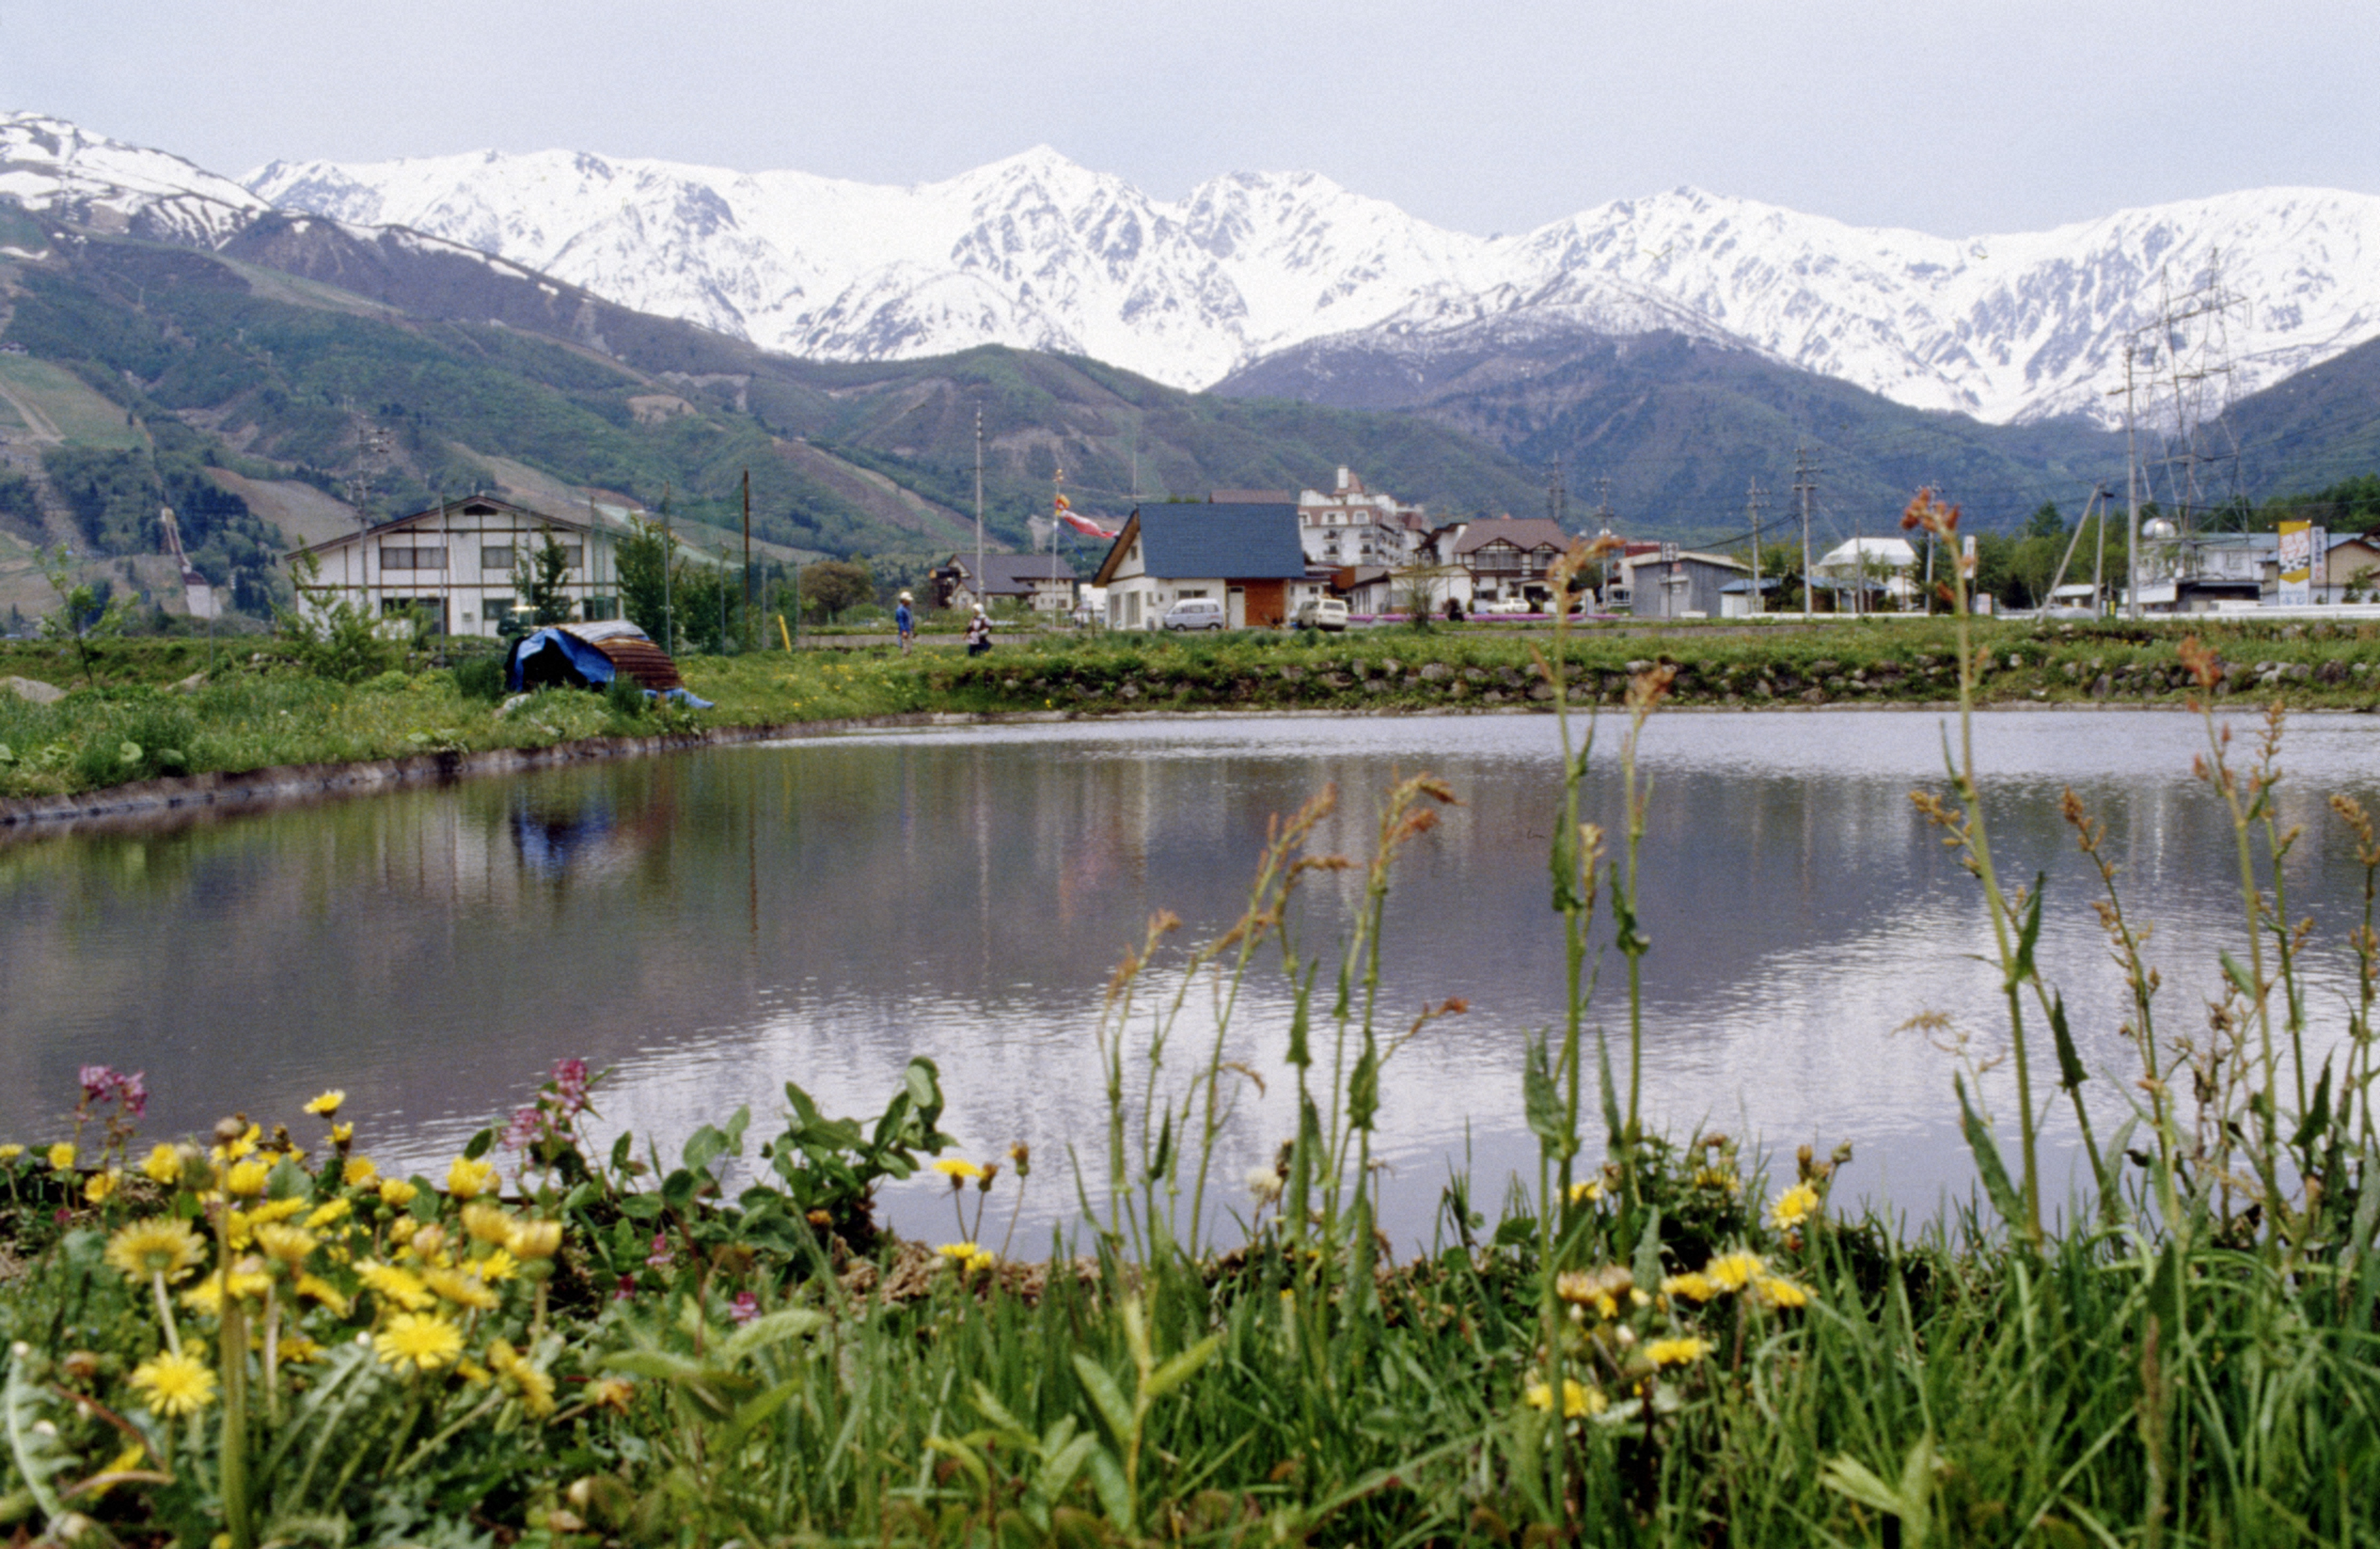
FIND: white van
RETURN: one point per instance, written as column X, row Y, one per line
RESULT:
column 1193, row 613
column 1322, row 613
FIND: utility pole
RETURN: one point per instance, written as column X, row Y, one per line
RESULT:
column 669, row 566
column 748, row 559
column 977, row 578
column 2131, row 499
column 1557, row 497
column 1754, row 502
column 1603, row 529
column 1804, row 485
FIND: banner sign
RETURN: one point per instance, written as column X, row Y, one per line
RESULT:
column 2296, row 552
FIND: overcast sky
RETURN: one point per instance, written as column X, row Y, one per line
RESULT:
column 1961, row 117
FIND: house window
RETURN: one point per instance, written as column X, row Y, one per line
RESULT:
column 412, row 558
column 598, row 609
column 496, row 558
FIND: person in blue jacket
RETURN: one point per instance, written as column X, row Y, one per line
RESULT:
column 906, row 622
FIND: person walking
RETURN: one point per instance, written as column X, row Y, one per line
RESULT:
column 906, row 622
column 979, row 632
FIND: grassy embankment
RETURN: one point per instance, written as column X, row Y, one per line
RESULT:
column 257, row 710
column 1641, row 1343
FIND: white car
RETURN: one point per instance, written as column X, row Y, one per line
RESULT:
column 1193, row 613
column 1322, row 613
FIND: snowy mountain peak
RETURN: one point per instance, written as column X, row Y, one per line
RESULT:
column 51, row 165
column 1036, row 250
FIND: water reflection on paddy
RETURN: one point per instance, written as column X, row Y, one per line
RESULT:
column 715, row 923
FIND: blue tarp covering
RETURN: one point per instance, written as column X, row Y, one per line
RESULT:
column 554, row 655
column 582, row 661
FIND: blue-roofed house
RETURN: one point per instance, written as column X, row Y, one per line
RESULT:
column 1247, row 555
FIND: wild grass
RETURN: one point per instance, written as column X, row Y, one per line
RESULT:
column 1647, row 1342
column 257, row 707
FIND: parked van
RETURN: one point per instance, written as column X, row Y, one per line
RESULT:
column 1322, row 613
column 1193, row 613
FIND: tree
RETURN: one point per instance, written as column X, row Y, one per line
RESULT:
column 2045, row 522
column 329, row 636
column 833, row 585
column 541, row 577
column 649, row 565
column 88, row 612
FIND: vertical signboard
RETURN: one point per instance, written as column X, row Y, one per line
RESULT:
column 2297, row 564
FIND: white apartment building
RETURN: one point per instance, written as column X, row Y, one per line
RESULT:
column 456, row 560
column 1351, row 526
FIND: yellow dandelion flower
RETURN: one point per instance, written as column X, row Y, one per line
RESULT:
column 402, row 1229
column 396, row 1192
column 1793, row 1207
column 1694, row 1286
column 958, row 1169
column 958, row 1252
column 611, row 1393
column 277, row 1210
column 1777, row 1291
column 534, row 1239
column 248, row 1281
column 536, row 1389
column 463, row 1290
column 246, row 1180
column 240, row 1147
column 1732, row 1272
column 99, row 1187
column 155, row 1247
column 356, row 1171
column 1577, row 1398
column 468, row 1178
column 62, row 1157
column 10, row 1151
column 498, row 1265
column 330, row 1215
column 1724, row 1179
column 1676, row 1352
column 175, row 1384
column 296, row 1347
column 322, row 1291
column 419, row 1342
column 343, row 1134
column 1587, row 1193
column 487, row 1222
column 163, row 1165
column 289, row 1244
column 472, row 1373
column 327, row 1104
column 393, row 1285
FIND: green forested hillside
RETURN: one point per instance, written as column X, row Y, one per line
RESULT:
column 438, row 371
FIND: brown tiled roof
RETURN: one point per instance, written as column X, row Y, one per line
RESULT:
column 1522, row 533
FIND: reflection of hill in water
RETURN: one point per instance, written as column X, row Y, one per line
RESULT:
column 718, row 923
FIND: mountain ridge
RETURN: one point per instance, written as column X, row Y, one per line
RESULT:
column 1036, row 251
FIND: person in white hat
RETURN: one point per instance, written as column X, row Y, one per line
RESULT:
column 906, row 622
column 978, row 635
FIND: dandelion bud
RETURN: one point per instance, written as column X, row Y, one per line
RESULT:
column 229, row 1130
column 534, row 1239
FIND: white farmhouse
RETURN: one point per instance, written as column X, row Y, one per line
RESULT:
column 456, row 560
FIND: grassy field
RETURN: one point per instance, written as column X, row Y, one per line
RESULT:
column 65, row 405
column 256, row 709
column 253, row 1338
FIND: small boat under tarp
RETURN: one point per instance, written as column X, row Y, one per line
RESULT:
column 592, row 655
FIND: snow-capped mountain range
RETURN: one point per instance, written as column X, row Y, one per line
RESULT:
column 1038, row 252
